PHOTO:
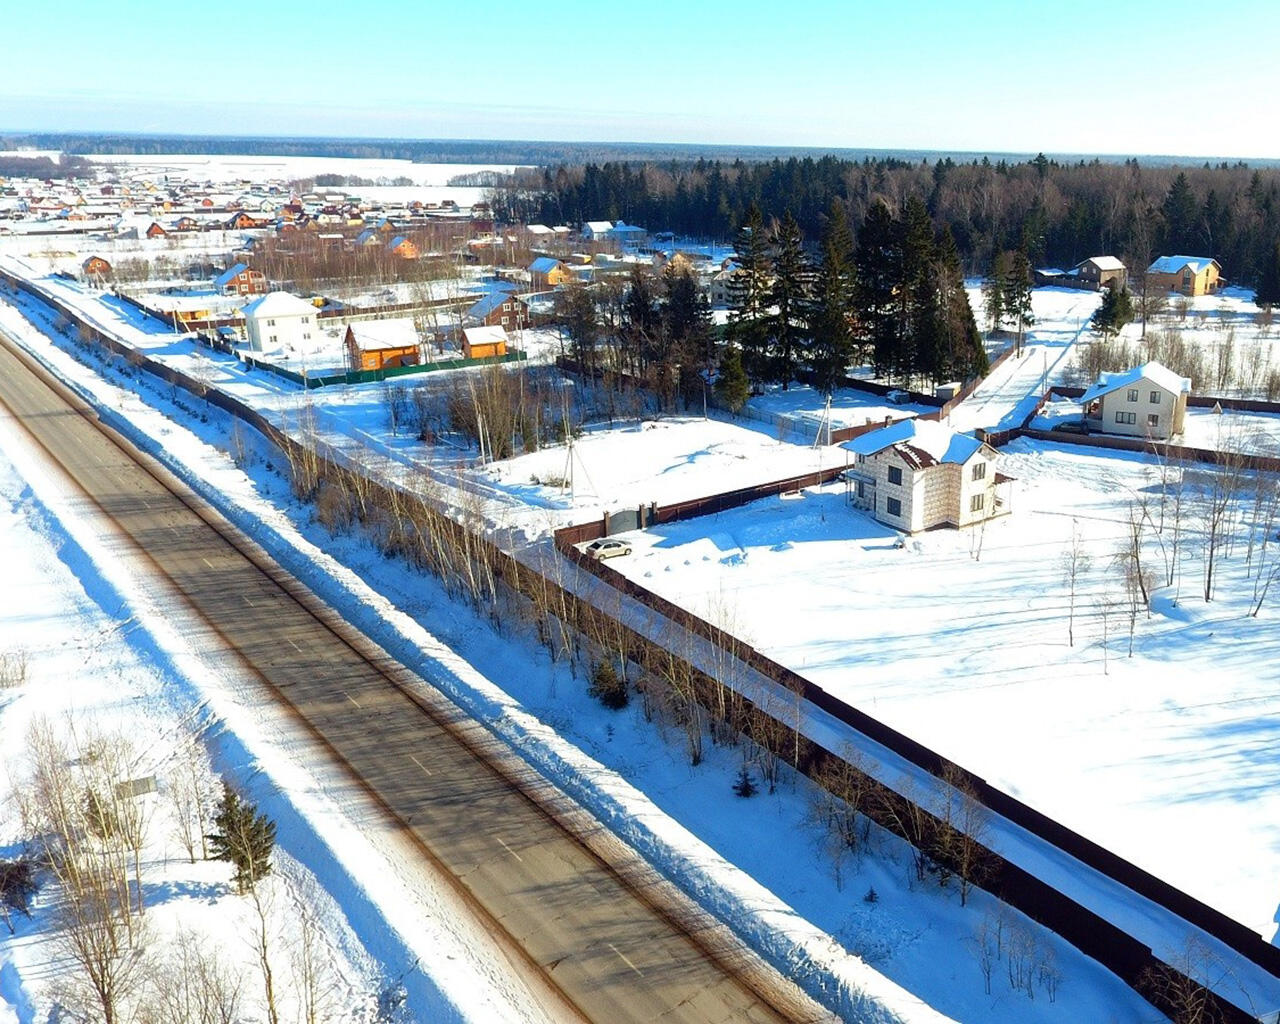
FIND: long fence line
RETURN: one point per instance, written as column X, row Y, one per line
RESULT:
column 1125, row 956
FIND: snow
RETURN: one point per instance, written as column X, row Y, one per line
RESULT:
column 782, row 891
column 1251, row 433
column 1159, row 375
column 804, row 407
column 971, row 656
column 939, row 442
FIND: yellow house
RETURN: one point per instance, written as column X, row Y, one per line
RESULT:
column 546, row 272
column 1190, row 275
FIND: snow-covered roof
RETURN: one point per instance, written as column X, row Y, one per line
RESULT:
column 376, row 335
column 229, row 275
column 939, row 443
column 1157, row 374
column 278, row 304
column 599, row 227
column 1103, row 263
column 485, row 335
column 539, row 229
column 1174, row 264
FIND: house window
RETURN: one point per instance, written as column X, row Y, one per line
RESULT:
column 861, row 459
column 271, row 338
column 862, row 489
column 271, row 323
column 1153, row 420
column 1126, row 417
column 895, row 475
column 1155, row 398
column 306, row 336
column 504, row 320
column 979, row 470
column 975, row 503
column 893, row 507
column 1133, row 394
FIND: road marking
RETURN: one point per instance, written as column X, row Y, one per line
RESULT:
column 351, row 698
column 521, row 860
column 422, row 766
column 621, row 956
column 207, row 562
column 295, row 647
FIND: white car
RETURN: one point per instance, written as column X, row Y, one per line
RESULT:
column 606, row 548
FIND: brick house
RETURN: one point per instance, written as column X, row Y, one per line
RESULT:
column 238, row 279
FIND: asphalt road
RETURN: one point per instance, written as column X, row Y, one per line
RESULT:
column 611, row 938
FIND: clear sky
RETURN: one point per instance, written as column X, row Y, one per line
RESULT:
column 1126, row 76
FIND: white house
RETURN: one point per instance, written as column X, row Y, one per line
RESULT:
column 1147, row 401
column 278, row 320
column 917, row 474
column 597, row 230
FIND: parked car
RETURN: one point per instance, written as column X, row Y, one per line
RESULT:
column 897, row 397
column 607, row 548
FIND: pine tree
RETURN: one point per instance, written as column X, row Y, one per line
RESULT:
column 789, row 296
column 1018, row 294
column 244, row 837
column 915, row 293
column 993, row 290
column 1181, row 216
column 1116, row 311
column 642, row 335
column 1268, row 293
column 731, row 382
column 749, row 290
column 831, row 309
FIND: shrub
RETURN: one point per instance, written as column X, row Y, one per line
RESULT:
column 608, row 688
column 744, row 786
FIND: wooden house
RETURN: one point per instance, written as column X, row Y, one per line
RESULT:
column 402, row 247
column 499, row 309
column 484, row 342
column 156, row 231
column 1189, row 275
column 239, row 279
column 917, row 474
column 95, row 268
column 547, row 272
column 379, row 344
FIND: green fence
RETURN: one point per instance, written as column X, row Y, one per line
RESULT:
column 367, row 376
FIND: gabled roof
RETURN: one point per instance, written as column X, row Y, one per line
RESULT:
column 921, row 442
column 1102, row 263
column 229, row 275
column 543, row 265
column 1174, row 264
column 377, row 335
column 599, row 227
column 1153, row 372
column 278, row 304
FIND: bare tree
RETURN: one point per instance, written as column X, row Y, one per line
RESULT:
column 190, row 790
column 960, row 839
column 192, row 985
column 1075, row 564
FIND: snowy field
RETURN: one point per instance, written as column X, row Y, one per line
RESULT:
column 667, row 460
column 761, row 859
column 961, row 641
column 805, row 406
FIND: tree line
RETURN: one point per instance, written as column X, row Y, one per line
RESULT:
column 1058, row 212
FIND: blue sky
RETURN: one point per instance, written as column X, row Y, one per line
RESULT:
column 1127, row 77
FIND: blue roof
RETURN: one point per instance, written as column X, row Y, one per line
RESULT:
column 490, row 303
column 1174, row 264
column 228, row 275
column 543, row 265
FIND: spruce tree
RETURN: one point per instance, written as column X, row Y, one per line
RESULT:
column 789, row 296
column 1181, row 216
column 1018, row 294
column 1268, row 293
column 831, row 309
column 749, row 290
column 244, row 837
column 1116, row 311
column 878, row 264
column 993, row 290
column 731, row 382
column 915, row 306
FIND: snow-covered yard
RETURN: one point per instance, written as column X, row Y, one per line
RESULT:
column 773, row 861
column 961, row 640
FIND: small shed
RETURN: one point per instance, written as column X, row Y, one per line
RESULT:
column 484, row 342
column 95, row 268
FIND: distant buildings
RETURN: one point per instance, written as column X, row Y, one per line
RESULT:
column 1093, row 274
column 239, row 279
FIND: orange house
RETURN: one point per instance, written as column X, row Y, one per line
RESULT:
column 380, row 344
column 484, row 342
column 402, row 247
column 156, row 231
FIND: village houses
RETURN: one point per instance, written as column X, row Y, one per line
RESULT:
column 1147, row 401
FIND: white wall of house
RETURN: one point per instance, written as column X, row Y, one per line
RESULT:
column 1130, row 411
column 279, row 330
column 937, row 495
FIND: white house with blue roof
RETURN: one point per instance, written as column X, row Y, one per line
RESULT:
column 917, row 474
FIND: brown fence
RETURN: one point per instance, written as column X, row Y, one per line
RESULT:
column 1125, row 956
column 1238, row 937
